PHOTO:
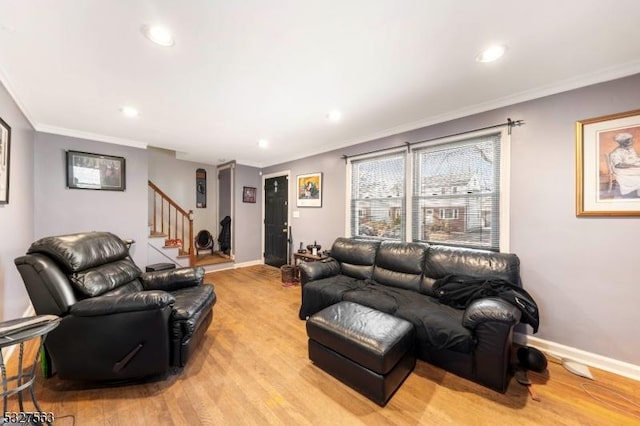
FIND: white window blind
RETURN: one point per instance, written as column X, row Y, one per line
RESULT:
column 456, row 193
column 378, row 197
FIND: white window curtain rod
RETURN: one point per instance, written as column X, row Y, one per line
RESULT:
column 509, row 123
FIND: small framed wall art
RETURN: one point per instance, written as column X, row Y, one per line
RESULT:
column 248, row 194
column 5, row 160
column 309, row 190
column 95, row 171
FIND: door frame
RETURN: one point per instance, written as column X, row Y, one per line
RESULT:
column 232, row 171
column 286, row 173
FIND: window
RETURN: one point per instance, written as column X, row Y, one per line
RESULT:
column 378, row 196
column 448, row 213
column 458, row 192
column 461, row 181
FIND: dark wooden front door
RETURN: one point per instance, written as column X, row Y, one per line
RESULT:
column 275, row 221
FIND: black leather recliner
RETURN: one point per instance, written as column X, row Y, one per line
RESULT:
column 117, row 322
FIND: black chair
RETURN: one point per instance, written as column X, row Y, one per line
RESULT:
column 204, row 241
column 117, row 322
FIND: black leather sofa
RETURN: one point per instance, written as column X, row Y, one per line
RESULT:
column 118, row 323
column 398, row 278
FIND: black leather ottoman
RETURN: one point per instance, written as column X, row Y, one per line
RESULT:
column 369, row 350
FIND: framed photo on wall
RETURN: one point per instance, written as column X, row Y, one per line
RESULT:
column 608, row 165
column 309, row 190
column 248, row 194
column 95, row 171
column 5, row 160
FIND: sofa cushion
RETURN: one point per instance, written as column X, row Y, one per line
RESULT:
column 439, row 326
column 356, row 257
column 103, row 278
column 130, row 287
column 400, row 264
column 190, row 304
column 317, row 295
column 78, row 252
column 441, row 261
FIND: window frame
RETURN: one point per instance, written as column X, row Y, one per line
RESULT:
column 504, row 180
column 349, row 175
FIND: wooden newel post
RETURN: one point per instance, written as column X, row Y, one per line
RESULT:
column 192, row 255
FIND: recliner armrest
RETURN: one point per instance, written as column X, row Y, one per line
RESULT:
column 172, row 279
column 310, row 271
column 132, row 302
column 489, row 309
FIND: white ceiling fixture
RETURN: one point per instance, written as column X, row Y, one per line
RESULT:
column 159, row 35
column 334, row 116
column 263, row 143
column 129, row 111
column 492, row 53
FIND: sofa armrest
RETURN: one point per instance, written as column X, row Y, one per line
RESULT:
column 488, row 309
column 132, row 302
column 172, row 279
column 310, row 271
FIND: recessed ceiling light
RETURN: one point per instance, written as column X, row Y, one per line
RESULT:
column 263, row 143
column 334, row 115
column 492, row 53
column 129, row 111
column 159, row 35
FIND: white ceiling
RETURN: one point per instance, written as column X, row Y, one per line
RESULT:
column 245, row 70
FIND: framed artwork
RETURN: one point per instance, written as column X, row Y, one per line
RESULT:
column 309, row 190
column 248, row 194
column 95, row 171
column 608, row 165
column 201, row 188
column 5, row 160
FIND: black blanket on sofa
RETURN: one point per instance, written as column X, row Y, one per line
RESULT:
column 435, row 323
column 459, row 291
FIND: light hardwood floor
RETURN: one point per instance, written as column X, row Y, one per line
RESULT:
column 252, row 369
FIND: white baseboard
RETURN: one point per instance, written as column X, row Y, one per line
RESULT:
column 238, row 265
column 249, row 263
column 557, row 350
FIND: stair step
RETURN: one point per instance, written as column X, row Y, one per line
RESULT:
column 157, row 235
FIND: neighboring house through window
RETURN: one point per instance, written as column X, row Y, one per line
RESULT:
column 458, row 196
column 377, row 207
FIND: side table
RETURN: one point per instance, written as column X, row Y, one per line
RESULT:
column 306, row 257
column 303, row 257
column 18, row 332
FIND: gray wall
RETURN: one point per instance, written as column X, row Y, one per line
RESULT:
column 59, row 210
column 16, row 218
column 177, row 179
column 581, row 271
column 247, row 224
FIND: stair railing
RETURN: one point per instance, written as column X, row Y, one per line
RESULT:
column 173, row 221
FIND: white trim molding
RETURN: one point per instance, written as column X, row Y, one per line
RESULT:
column 238, row 265
column 560, row 351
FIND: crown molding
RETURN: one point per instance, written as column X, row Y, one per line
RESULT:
column 601, row 76
column 61, row 131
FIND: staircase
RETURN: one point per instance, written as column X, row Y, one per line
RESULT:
column 158, row 252
column 170, row 231
column 171, row 238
